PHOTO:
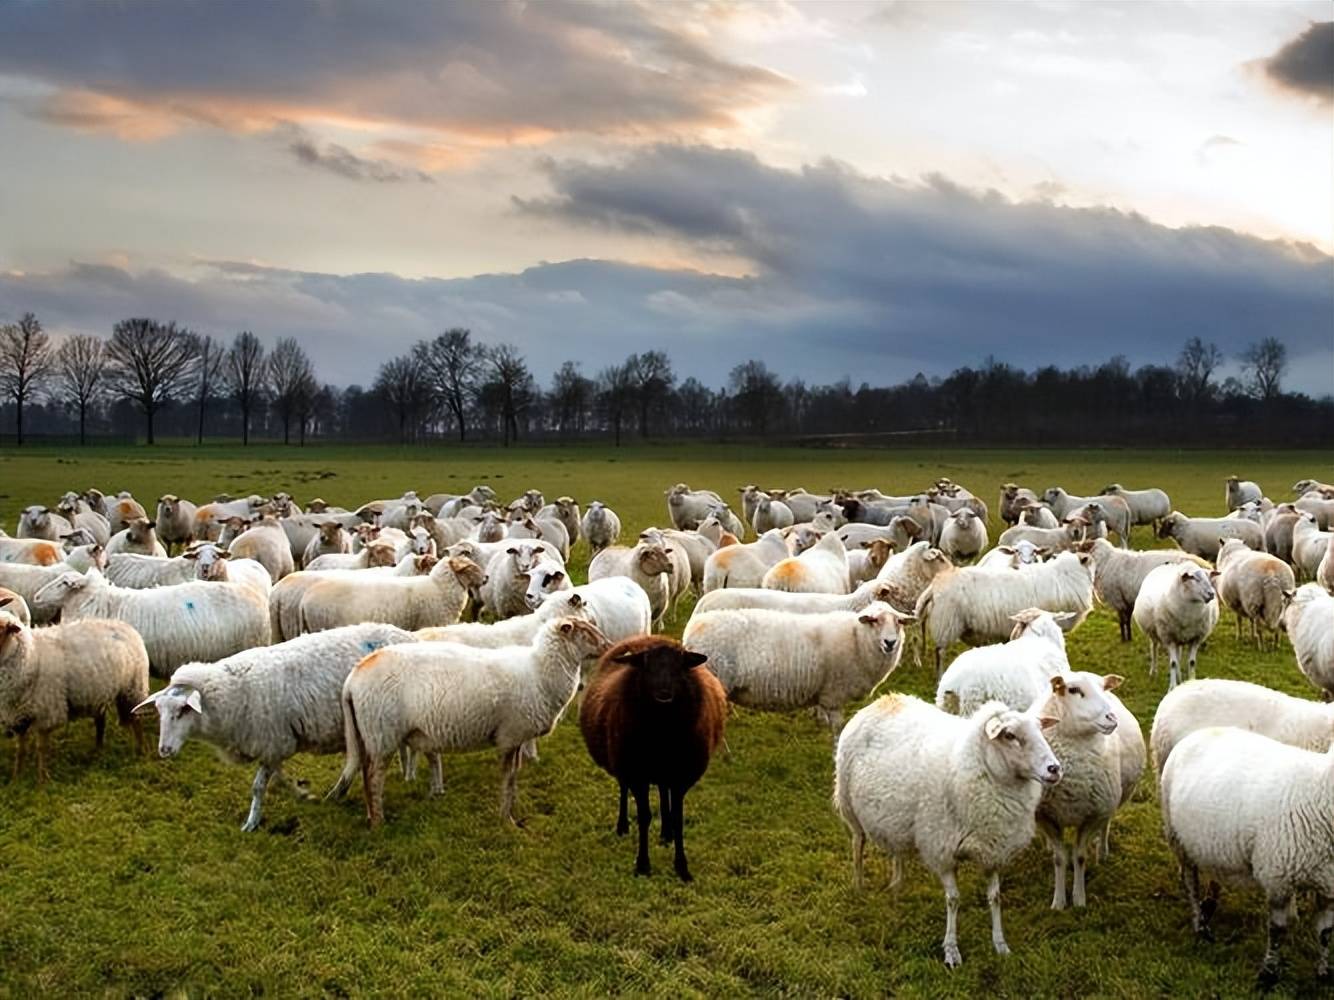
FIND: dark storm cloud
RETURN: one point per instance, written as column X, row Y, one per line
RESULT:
column 500, row 69
column 1306, row 64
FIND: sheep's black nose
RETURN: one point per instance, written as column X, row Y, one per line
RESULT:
column 1053, row 768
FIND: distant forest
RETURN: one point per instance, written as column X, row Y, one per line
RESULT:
column 153, row 379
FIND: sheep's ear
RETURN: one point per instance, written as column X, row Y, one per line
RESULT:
column 558, row 575
column 567, row 627
column 1047, row 721
column 1112, row 681
column 13, row 626
column 866, row 619
column 692, row 659
column 904, row 617
column 150, row 700
column 194, row 702
column 1058, row 684
column 576, row 601
column 192, row 554
column 5, row 601
column 668, row 551
column 995, row 728
column 512, row 550
column 629, row 657
column 1009, row 550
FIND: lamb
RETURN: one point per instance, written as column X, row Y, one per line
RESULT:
column 1089, row 792
column 1017, row 672
column 976, row 604
column 1255, row 585
column 266, row 543
column 648, row 564
column 866, row 562
column 1010, row 493
column 1118, row 575
column 652, row 715
column 1021, row 553
column 440, row 696
column 1240, row 805
column 175, row 520
column 776, row 662
column 331, row 539
column 820, row 569
column 1117, row 511
column 687, row 507
column 1309, row 545
column 267, row 704
column 601, row 526
column 1202, row 536
column 1239, row 491
column 1146, row 506
column 138, row 537
column 188, row 621
column 80, row 670
column 1177, row 607
column 285, row 598
column 912, row 778
column 566, row 511
column 409, row 602
column 770, row 514
column 26, row 581
column 39, row 522
column 1309, row 622
column 964, row 536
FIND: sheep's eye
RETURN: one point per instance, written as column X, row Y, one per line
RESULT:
column 1010, row 736
column 1078, row 691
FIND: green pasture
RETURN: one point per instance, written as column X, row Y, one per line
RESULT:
column 129, row 876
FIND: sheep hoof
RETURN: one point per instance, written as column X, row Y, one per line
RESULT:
column 250, row 826
column 643, row 869
column 952, row 957
column 683, row 873
column 622, row 828
column 1002, row 948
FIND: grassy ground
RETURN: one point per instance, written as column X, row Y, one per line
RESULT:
column 128, row 876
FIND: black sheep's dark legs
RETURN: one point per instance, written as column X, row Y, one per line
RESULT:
column 665, row 814
column 645, row 817
column 623, row 817
column 678, row 833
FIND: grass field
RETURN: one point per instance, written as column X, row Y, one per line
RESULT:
column 127, row 876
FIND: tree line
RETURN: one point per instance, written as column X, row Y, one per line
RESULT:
column 165, row 378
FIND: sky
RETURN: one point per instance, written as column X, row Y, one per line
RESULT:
column 863, row 190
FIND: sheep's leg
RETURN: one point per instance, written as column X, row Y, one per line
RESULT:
column 437, row 774
column 530, row 750
column 1174, row 665
column 1192, row 654
column 678, row 834
column 372, row 780
column 509, row 782
column 644, row 816
column 43, row 756
column 622, row 817
column 407, row 763
column 1084, row 839
column 1104, row 841
column 951, row 942
column 895, row 871
column 1124, row 617
column 20, row 754
column 858, row 857
column 1278, row 930
column 664, row 814
column 1153, row 658
column 994, row 902
column 257, row 790
column 1058, row 860
column 136, row 725
column 1190, row 882
column 1324, row 927
column 344, row 782
column 99, row 729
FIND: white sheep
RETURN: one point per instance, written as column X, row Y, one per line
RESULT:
column 1320, row 507
column 331, row 538
column 770, row 514
column 119, row 511
column 1240, row 805
column 174, row 520
column 82, row 669
column 777, row 662
column 285, row 598
column 1116, row 510
column 900, row 532
column 914, row 779
column 1177, row 607
column 179, row 623
column 744, row 565
column 976, row 605
column 820, row 569
column 138, row 537
column 1202, row 536
column 1309, row 622
column 866, row 562
column 1035, row 515
column 1059, row 539
column 1239, row 491
column 441, row 696
column 410, row 602
column 267, row 704
column 601, row 526
column 42, row 523
column 1309, row 545
column 1255, row 585
column 1010, row 495
column 1017, row 672
column 793, row 604
column 503, row 592
column 1021, row 553
column 964, row 536
column 648, row 564
column 549, row 529
column 26, row 580
column 15, row 606
column 696, row 546
column 376, row 554
column 1118, row 574
column 479, row 494
column 265, row 542
column 1324, row 573
column 30, row 551
column 687, row 507
column 1146, row 506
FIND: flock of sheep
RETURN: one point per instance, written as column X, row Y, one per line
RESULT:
column 328, row 630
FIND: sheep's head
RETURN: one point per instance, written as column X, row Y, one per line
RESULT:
column 468, row 573
column 878, row 551
column 544, row 576
column 1049, row 624
column 10, row 627
column 583, row 635
column 55, row 594
column 802, row 538
column 381, row 553
column 140, row 530
column 179, row 709
column 1079, row 699
column 210, row 562
column 654, row 558
column 317, row 506
column 1195, row 584
column 1052, row 494
column 331, row 533
column 1015, row 749
column 661, row 668
column 1171, row 525
column 886, row 624
column 37, row 517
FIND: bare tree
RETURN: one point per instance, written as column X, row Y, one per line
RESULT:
column 1195, row 365
column 80, row 375
column 1264, row 364
column 615, row 385
column 245, row 373
column 403, row 384
column 570, row 393
column 208, row 371
column 26, row 363
column 452, row 364
column 756, row 393
column 512, row 385
column 150, row 363
column 653, row 378
column 290, row 375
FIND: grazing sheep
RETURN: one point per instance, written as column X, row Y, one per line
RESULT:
column 441, row 696
column 648, row 564
column 1202, row 536
column 1017, row 672
column 1309, row 622
column 1309, row 545
column 410, row 602
column 566, row 511
column 267, row 704
column 331, row 539
column 820, row 569
column 1118, row 575
column 1240, row 805
column 770, row 514
column 744, row 565
column 266, row 543
column 42, row 523
column 1177, row 607
column 1021, row 553
column 914, row 779
column 653, row 715
column 26, row 581
column 964, row 536
column 285, row 598
column 175, row 520
column 1117, row 511
column 976, row 605
column 1146, row 506
column 866, row 562
column 600, row 526
column 179, row 624
column 78, row 670
column 777, row 662
column 139, row 537
column 687, row 507
column 1256, row 586
column 1010, row 494
column 1238, row 491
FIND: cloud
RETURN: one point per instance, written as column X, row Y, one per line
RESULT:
column 1305, row 65
column 339, row 160
column 491, row 73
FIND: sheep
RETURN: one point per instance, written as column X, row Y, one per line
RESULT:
column 477, row 495
column 1017, row 672
column 1089, row 793
column 40, row 522
column 504, row 591
column 679, row 579
column 909, row 573
column 1035, row 515
column 77, row 670
column 750, row 498
column 440, row 696
column 601, row 526
column 912, row 778
column 777, row 662
column 1010, row 493
column 1117, row 510
column 805, row 506
column 1238, row 491
column 566, row 511
column 1146, row 506
column 1021, row 553
column 409, row 602
column 865, row 563
column 30, row 551
column 530, row 503
column 76, row 512
column 179, row 623
column 901, row 532
column 1202, row 536
column 793, row 604
column 138, row 537
column 331, row 539
column 285, row 597
column 647, row 564
column 820, row 569
column 175, row 520
column 1304, row 486
column 376, row 510
column 210, row 517
column 266, row 543
column 1309, row 622
column 696, row 546
column 1177, row 607
column 1061, row 539
column 15, row 606
column 26, row 580
column 931, row 516
column 1324, row 573
column 727, row 519
column 376, row 554
column 301, row 528
column 1119, row 574
column 400, row 515
column 769, row 514
column 976, row 604
column 1278, row 527
column 550, row 530
column 1255, row 585
column 687, row 507
column 1309, row 545
column 653, row 715
column 267, row 704
column 444, row 531
column 1240, row 805
column 964, row 536
column 214, row 564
